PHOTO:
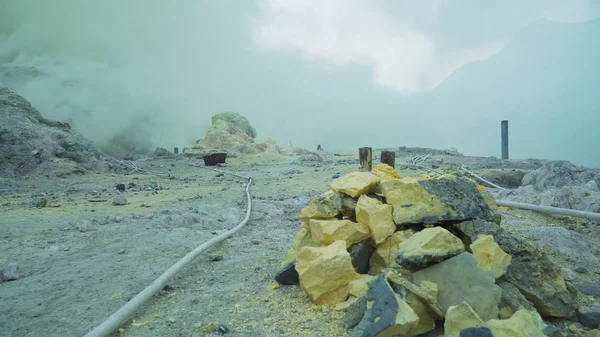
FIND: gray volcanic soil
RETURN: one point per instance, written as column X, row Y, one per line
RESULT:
column 83, row 260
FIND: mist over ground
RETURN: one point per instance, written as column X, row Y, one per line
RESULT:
column 341, row 73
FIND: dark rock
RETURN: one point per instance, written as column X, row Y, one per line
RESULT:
column 214, row 158
column 121, row 187
column 589, row 289
column 589, row 317
column 288, row 275
column 162, row 152
column 536, row 277
column 464, row 281
column 222, row 329
column 476, row 332
column 468, row 231
column 355, row 312
column 382, row 315
column 215, row 257
column 360, row 254
column 11, row 272
column 582, row 270
column 512, row 297
column 552, row 331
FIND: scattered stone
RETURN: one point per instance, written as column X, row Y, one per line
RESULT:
column 222, row 329
column 355, row 184
column 427, row 247
column 360, row 254
column 385, row 172
column 385, row 253
column 11, row 272
column 552, row 331
column 119, row 199
column 387, row 314
column 36, row 202
column 582, row 270
column 589, row 289
column 325, row 272
column 589, row 317
column 434, row 199
column 324, row 206
column 355, row 312
column 215, row 257
column 214, row 158
column 120, row 187
column 325, row 232
column 476, row 332
column 377, row 216
column 256, row 242
column 287, row 275
column 490, row 256
column 463, row 281
column 536, row 277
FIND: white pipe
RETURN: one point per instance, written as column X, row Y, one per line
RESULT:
column 549, row 209
column 489, row 182
column 115, row 320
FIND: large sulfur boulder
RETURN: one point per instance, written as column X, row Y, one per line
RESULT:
column 490, row 256
column 385, row 253
column 434, row 199
column 238, row 121
column 326, row 232
column 323, row 206
column 326, row 272
column 377, row 216
column 33, row 145
column 429, row 246
column 355, row 184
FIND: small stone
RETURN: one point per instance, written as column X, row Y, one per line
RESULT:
column 355, row 312
column 119, row 199
column 256, row 242
column 361, row 255
column 215, row 257
column 222, row 329
column 589, row 317
column 11, row 272
column 287, row 275
column 37, row 202
column 568, row 274
column 582, row 270
column 476, row 332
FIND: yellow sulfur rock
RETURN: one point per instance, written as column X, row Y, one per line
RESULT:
column 355, row 183
column 377, row 216
column 385, row 172
column 324, row 206
column 325, row 232
column 490, row 256
column 359, row 287
column 460, row 317
column 326, row 272
column 428, row 246
column 385, row 253
column 302, row 239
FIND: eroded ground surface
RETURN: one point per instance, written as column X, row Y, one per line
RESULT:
column 83, row 260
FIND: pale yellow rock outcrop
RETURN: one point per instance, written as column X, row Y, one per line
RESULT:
column 385, row 172
column 490, row 256
column 377, row 216
column 355, row 183
column 430, row 245
column 325, row 232
column 302, row 239
column 411, row 202
column 385, row 253
column 326, row 272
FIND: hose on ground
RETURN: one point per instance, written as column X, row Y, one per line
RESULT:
column 120, row 316
column 550, row 209
column 485, row 181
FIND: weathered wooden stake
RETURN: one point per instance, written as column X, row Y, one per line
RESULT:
column 504, row 131
column 365, row 158
column 176, row 150
column 389, row 157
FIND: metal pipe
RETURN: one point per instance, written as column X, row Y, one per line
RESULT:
column 549, row 209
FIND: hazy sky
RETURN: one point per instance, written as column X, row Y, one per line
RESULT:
column 337, row 72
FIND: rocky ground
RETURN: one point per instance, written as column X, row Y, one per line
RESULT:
column 80, row 257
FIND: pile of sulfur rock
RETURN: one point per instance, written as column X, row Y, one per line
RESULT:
column 402, row 255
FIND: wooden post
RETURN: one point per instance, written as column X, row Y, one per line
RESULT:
column 389, row 157
column 176, row 150
column 365, row 158
column 504, row 132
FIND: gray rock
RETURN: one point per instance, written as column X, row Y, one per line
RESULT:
column 589, row 317
column 355, row 312
column 11, row 272
column 36, row 202
column 162, row 152
column 361, row 255
column 468, row 231
column 557, row 174
column 512, row 297
column 31, row 143
column 582, row 270
column 476, row 332
column 572, row 197
column 532, row 272
column 464, row 281
column 288, row 275
column 119, row 199
column 552, row 331
column 563, row 242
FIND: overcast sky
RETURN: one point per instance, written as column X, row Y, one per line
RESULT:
column 302, row 71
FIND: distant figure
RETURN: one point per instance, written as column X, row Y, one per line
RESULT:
column 319, row 148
